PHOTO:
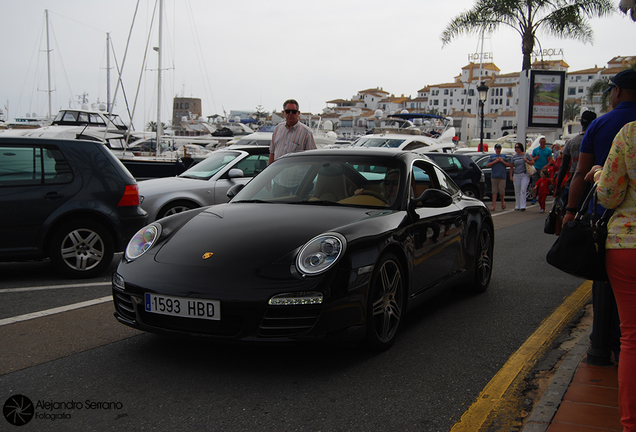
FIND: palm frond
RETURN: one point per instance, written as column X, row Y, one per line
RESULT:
column 561, row 18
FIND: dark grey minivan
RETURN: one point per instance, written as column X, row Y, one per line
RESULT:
column 72, row 201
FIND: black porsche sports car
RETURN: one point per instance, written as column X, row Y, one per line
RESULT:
column 335, row 244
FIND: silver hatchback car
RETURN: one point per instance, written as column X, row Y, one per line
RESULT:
column 203, row 184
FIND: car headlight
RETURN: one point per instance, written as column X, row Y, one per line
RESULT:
column 320, row 253
column 142, row 241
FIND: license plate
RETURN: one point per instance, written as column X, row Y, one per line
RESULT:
column 183, row 307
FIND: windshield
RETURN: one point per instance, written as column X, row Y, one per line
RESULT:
column 117, row 121
column 253, row 141
column 378, row 142
column 348, row 180
column 210, row 165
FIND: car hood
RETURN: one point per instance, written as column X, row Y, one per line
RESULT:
column 167, row 184
column 252, row 236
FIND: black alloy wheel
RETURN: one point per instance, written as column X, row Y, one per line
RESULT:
column 386, row 306
column 483, row 260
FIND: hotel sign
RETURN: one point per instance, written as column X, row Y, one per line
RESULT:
column 547, row 93
column 475, row 57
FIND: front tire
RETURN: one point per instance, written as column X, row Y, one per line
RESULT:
column 483, row 261
column 386, row 303
column 81, row 248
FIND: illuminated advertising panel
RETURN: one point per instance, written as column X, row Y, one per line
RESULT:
column 547, row 93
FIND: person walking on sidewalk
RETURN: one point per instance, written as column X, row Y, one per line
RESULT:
column 542, row 189
column 617, row 190
column 498, row 164
column 542, row 159
column 519, row 176
column 570, row 156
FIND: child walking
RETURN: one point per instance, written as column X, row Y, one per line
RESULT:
column 542, row 189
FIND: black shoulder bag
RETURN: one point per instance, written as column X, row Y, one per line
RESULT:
column 555, row 218
column 580, row 249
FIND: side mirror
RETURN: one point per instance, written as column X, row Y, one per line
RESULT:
column 231, row 192
column 433, row 198
column 235, row 173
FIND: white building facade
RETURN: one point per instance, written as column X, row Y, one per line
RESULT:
column 460, row 100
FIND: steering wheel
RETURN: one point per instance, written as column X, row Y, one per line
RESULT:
column 374, row 195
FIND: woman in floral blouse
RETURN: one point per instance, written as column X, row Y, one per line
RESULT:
column 617, row 190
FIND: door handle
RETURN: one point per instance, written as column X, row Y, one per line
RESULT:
column 53, row 196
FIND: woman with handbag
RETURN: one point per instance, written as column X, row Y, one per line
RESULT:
column 617, row 190
column 520, row 176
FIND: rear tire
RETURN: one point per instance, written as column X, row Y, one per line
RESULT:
column 81, row 248
column 386, row 303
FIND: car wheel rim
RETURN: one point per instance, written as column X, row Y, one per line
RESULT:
column 83, row 249
column 387, row 307
column 484, row 260
column 175, row 210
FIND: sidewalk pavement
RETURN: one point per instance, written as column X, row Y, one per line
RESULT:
column 581, row 397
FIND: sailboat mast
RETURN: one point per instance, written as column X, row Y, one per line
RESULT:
column 108, row 73
column 159, row 131
column 48, row 60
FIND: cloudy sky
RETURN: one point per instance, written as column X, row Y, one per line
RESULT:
column 238, row 54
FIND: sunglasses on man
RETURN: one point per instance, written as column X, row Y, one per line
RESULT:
column 289, row 111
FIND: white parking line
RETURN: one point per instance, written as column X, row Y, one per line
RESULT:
column 53, row 311
column 53, row 287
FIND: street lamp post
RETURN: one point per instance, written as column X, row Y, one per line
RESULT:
column 483, row 95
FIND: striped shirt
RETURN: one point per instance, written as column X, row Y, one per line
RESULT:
column 285, row 140
column 291, row 140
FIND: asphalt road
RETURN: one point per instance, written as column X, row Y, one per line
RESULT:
column 84, row 371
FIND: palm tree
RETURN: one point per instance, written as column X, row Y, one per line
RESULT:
column 571, row 109
column 602, row 84
column 599, row 86
column 261, row 113
column 152, row 126
column 561, row 18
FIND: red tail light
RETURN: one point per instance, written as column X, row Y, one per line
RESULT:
column 130, row 197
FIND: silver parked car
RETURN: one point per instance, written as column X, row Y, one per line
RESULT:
column 205, row 183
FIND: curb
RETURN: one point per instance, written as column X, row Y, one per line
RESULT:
column 546, row 408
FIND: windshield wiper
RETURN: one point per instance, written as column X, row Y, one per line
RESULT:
column 253, row 201
column 316, row 202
